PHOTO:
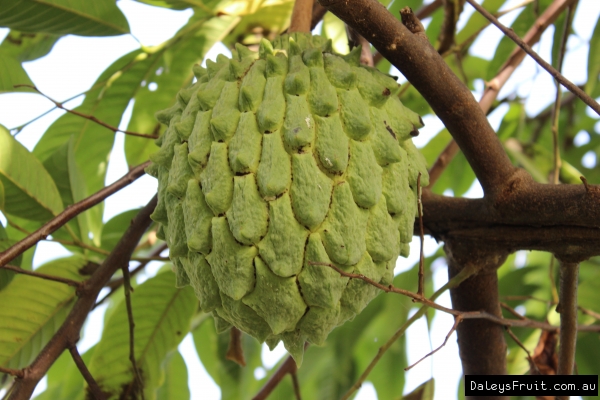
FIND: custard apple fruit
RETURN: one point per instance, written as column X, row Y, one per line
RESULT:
column 274, row 161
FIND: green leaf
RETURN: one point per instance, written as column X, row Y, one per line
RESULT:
column 7, row 276
column 33, row 309
column 458, row 176
column 170, row 72
column 70, row 183
column 175, row 385
column 334, row 29
column 115, row 227
column 265, row 22
column 77, row 17
column 64, row 379
column 11, row 74
column 477, row 21
column 175, row 4
column 236, row 382
column 424, row 391
column 27, row 46
column 588, row 356
column 435, row 26
column 106, row 100
column 30, row 192
column 162, row 315
column 594, row 60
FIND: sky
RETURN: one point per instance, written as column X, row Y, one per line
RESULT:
column 75, row 63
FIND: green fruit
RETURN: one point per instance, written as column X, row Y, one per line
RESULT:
column 274, row 161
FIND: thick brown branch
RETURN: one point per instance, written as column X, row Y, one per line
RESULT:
column 68, row 332
column 69, row 213
column 90, row 117
column 47, row 277
column 85, row 372
column 530, row 216
column 569, row 273
column 551, row 70
column 422, row 13
column 448, row 96
column 301, row 16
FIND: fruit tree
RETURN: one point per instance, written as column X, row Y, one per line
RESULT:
column 291, row 173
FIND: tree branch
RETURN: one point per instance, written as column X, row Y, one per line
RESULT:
column 568, row 317
column 551, row 70
column 85, row 372
column 450, row 99
column 90, row 117
column 69, row 213
column 288, row 367
column 69, row 331
column 127, row 288
column 531, row 216
column 301, row 16
column 47, row 277
column 493, row 87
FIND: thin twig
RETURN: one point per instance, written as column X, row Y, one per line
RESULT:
column 553, row 289
column 455, row 281
column 116, row 283
column 85, row 372
column 521, row 323
column 90, row 117
column 522, row 346
column 457, row 321
column 69, row 213
column 551, row 13
column 127, row 288
column 512, row 310
column 591, row 313
column 569, row 273
column 421, row 289
column 288, row 367
column 557, row 101
column 17, row 373
column 585, row 184
column 69, row 330
column 296, row 385
column 551, row 70
column 52, row 278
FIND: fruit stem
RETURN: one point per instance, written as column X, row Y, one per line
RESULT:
column 301, row 16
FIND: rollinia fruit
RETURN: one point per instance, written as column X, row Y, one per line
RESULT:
column 277, row 160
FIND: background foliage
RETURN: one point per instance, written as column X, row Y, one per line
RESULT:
column 70, row 161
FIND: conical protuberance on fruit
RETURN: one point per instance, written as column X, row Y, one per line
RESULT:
column 276, row 166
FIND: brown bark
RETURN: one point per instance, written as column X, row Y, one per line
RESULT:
column 481, row 343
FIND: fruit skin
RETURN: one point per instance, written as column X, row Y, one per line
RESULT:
column 277, row 160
